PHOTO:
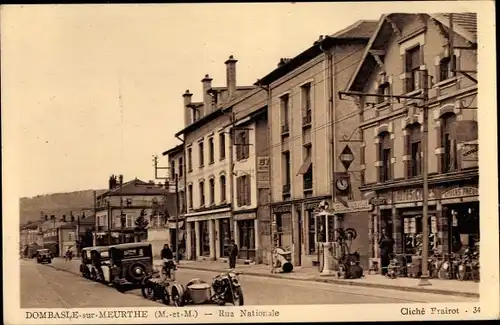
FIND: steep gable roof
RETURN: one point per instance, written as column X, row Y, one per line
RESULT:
column 464, row 24
column 136, row 187
column 359, row 33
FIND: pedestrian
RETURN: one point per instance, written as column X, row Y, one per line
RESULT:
column 386, row 244
column 233, row 254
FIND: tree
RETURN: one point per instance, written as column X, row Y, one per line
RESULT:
column 141, row 225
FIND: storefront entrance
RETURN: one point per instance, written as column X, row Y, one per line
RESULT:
column 204, row 238
column 192, row 245
column 246, row 231
column 463, row 230
column 224, row 236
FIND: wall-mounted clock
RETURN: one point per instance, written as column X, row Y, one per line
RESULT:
column 342, row 184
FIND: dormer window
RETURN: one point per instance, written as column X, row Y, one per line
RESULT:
column 445, row 68
column 383, row 90
column 413, row 62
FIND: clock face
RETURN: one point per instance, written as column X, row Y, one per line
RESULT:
column 342, row 184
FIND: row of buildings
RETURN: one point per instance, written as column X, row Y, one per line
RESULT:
column 256, row 160
column 126, row 212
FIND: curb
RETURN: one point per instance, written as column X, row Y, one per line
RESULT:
column 350, row 282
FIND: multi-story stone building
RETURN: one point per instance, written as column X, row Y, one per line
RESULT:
column 137, row 198
column 209, row 228
column 403, row 46
column 251, row 182
column 307, row 122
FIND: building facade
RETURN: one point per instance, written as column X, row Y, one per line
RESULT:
column 403, row 46
column 251, row 184
column 307, row 122
column 118, row 210
column 209, row 224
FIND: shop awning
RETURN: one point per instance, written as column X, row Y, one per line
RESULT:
column 305, row 166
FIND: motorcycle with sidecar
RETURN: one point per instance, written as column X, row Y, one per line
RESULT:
column 225, row 289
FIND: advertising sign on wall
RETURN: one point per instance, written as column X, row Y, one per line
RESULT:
column 263, row 172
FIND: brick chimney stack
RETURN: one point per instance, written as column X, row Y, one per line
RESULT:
column 231, row 76
column 188, row 117
column 207, row 99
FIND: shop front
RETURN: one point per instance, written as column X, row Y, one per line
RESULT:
column 246, row 234
column 453, row 221
column 208, row 236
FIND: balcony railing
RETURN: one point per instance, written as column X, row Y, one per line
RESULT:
column 286, row 189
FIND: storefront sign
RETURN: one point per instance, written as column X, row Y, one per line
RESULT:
column 244, row 216
column 352, row 206
column 470, row 155
column 460, row 192
column 411, row 195
column 311, row 205
column 378, row 201
column 282, row 208
column 262, row 172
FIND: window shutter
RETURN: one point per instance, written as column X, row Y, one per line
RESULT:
column 238, row 191
column 407, row 151
column 249, row 191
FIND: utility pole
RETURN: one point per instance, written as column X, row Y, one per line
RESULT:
column 424, row 278
column 176, row 218
column 231, row 173
column 94, row 235
column 122, row 217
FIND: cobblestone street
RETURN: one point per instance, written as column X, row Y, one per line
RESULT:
column 60, row 285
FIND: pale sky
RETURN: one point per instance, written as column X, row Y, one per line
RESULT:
column 62, row 65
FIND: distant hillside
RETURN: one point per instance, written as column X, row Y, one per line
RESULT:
column 56, row 204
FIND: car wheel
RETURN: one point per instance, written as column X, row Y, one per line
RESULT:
column 137, row 271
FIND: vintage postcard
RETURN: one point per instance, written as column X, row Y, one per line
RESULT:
column 258, row 162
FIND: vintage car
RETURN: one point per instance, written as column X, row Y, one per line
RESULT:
column 225, row 289
column 129, row 264
column 92, row 259
column 43, row 255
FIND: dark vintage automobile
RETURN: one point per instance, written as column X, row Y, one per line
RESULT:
column 129, row 264
column 43, row 256
column 93, row 260
column 225, row 289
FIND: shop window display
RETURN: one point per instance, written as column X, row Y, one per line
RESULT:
column 413, row 229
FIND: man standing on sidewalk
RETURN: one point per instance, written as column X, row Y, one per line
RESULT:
column 233, row 254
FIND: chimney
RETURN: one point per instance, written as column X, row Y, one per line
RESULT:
column 207, row 99
column 120, row 180
column 231, row 76
column 188, row 118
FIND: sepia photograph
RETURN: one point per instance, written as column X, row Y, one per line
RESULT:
column 253, row 159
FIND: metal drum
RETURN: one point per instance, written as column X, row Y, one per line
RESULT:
column 199, row 292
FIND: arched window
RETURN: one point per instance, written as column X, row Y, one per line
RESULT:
column 222, row 188
column 449, row 157
column 414, row 150
column 385, row 151
column 202, row 193
column 190, row 196
column 211, row 183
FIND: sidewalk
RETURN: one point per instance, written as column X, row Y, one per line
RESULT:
column 445, row 287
